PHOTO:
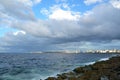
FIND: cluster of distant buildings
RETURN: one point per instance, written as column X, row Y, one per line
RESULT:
column 103, row 51
column 87, row 51
column 90, row 51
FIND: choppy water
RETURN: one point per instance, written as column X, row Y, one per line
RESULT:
column 40, row 66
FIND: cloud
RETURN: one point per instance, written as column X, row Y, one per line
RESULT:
column 89, row 2
column 115, row 3
column 37, row 1
column 37, row 28
column 16, row 11
column 29, row 2
column 88, row 26
column 28, row 43
column 21, row 11
column 23, row 43
column 60, row 14
column 64, row 28
column 19, row 32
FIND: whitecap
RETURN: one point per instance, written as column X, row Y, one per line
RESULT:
column 104, row 59
column 89, row 63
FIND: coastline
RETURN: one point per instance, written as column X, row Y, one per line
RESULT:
column 106, row 69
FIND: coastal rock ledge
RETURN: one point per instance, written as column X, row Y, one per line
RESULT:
column 103, row 70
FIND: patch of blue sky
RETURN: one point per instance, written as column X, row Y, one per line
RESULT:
column 82, row 7
column 44, row 4
column 79, row 6
column 4, row 30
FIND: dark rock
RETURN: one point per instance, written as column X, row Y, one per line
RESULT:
column 62, row 76
column 72, row 78
column 104, row 78
column 79, row 70
column 51, row 78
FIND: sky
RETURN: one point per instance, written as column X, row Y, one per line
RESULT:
column 50, row 25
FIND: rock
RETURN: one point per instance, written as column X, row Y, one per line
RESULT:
column 72, row 78
column 79, row 70
column 51, row 78
column 104, row 78
column 62, row 76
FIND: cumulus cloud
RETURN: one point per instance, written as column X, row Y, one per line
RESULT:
column 102, row 26
column 60, row 14
column 89, row 25
column 115, row 3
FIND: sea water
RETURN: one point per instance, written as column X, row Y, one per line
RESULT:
column 40, row 66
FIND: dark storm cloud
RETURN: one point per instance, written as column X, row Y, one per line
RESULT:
column 23, row 43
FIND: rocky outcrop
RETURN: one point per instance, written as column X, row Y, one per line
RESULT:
column 103, row 70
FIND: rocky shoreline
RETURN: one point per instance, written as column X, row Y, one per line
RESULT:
column 102, row 70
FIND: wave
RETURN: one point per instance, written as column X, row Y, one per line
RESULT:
column 89, row 63
column 104, row 59
column 46, row 76
column 107, row 58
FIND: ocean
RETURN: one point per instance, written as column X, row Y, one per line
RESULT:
column 35, row 66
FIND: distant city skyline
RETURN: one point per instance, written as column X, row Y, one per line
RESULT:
column 46, row 25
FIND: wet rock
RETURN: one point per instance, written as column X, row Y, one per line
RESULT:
column 62, row 76
column 51, row 78
column 79, row 70
column 72, row 78
column 104, row 78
